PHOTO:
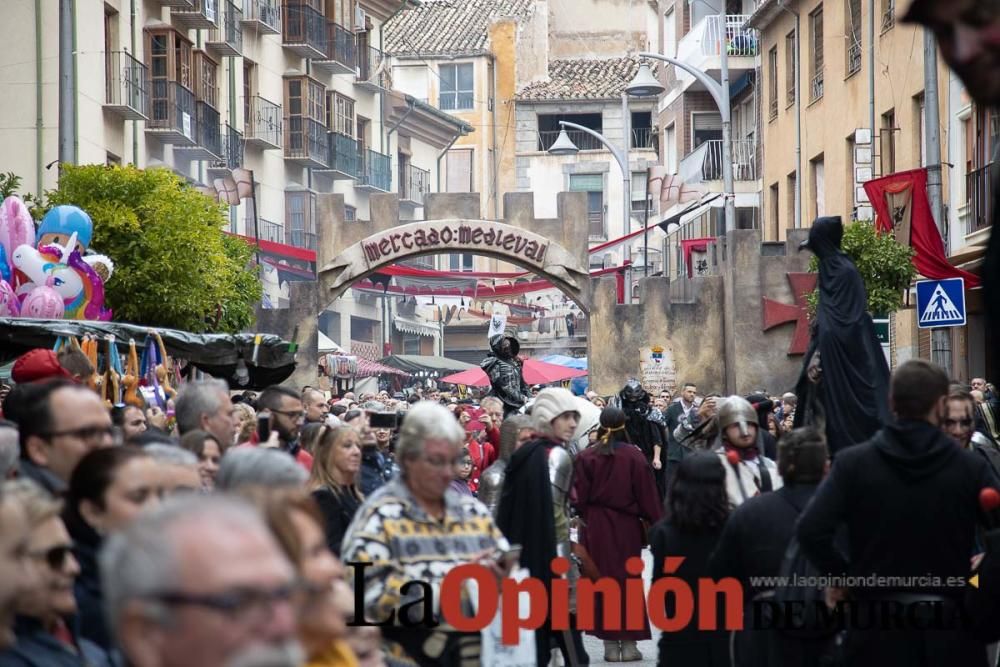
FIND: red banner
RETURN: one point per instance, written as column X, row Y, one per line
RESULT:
column 694, row 245
column 901, row 208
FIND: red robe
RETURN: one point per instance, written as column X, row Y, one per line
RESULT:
column 612, row 494
column 482, row 457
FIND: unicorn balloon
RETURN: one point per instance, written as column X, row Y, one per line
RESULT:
column 65, row 271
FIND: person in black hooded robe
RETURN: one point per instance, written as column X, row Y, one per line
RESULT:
column 503, row 369
column 845, row 379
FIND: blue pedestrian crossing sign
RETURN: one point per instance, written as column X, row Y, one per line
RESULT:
column 941, row 303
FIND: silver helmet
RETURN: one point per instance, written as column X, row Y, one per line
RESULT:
column 736, row 410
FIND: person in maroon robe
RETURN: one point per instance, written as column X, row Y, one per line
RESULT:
column 615, row 492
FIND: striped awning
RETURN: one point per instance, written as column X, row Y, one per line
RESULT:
column 415, row 328
column 368, row 369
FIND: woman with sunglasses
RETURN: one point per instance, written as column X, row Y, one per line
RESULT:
column 333, row 481
column 107, row 490
column 295, row 521
column 45, row 624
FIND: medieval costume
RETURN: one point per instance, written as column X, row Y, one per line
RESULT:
column 748, row 471
column 615, row 493
column 491, row 481
column 503, row 368
column 852, row 393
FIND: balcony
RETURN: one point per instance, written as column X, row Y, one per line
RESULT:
column 301, row 239
column 207, row 135
column 201, row 15
column 187, row 4
column 373, row 70
column 376, row 172
column 705, row 162
column 816, row 86
column 414, row 183
column 171, row 118
column 702, row 48
column 305, row 142
column 342, row 161
column 341, row 51
column 645, row 138
column 269, row 231
column 232, row 152
column 979, row 190
column 853, row 57
column 582, row 140
column 262, row 16
column 264, row 125
column 227, row 39
column 127, row 86
column 303, row 30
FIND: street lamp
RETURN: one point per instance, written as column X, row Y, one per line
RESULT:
column 645, row 85
column 563, row 145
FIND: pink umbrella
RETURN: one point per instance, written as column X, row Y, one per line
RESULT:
column 535, row 372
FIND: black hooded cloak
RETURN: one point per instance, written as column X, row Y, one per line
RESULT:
column 852, row 395
column 504, row 372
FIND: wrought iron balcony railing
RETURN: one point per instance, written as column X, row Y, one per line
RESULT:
column 127, row 86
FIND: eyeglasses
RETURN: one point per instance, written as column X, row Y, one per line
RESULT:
column 242, row 605
column 964, row 423
column 441, row 463
column 86, row 433
column 294, row 414
column 55, row 557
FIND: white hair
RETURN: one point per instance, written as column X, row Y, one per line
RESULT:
column 258, row 466
column 426, row 420
column 196, row 399
column 9, row 449
column 141, row 561
column 170, row 455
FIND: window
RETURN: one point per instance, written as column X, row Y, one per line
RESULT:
column 169, row 55
column 816, row 35
column 774, row 224
column 817, row 177
column 456, row 87
column 593, row 185
column 852, row 25
column 888, row 138
column 670, row 149
column 112, row 160
column 300, row 219
column 205, row 88
column 549, row 128
column 888, row 14
column 341, row 12
column 459, row 170
column 110, row 46
column 790, row 74
column 791, row 183
column 669, row 34
column 705, row 127
column 642, row 130
column 249, row 85
column 639, row 192
column 772, row 82
column 340, row 114
column 362, row 125
column 304, row 98
column 921, row 135
column 461, row 262
column 350, row 214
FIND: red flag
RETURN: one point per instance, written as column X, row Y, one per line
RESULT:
column 694, row 245
column 901, row 207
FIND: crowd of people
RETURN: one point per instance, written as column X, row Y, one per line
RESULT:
column 215, row 529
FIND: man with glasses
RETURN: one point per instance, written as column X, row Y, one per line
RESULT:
column 58, row 423
column 200, row 582
column 288, row 414
column 43, row 626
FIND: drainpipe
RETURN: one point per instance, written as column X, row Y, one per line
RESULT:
column 67, row 93
column 798, row 116
column 496, row 155
column 135, row 54
column 39, row 134
column 76, row 89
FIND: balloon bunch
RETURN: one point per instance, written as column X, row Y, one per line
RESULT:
column 46, row 274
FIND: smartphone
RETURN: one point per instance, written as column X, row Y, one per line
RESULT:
column 508, row 557
column 263, row 426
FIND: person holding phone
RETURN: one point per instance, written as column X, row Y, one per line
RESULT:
column 279, row 422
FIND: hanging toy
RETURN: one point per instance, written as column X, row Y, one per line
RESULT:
column 131, row 379
column 112, row 381
column 164, row 368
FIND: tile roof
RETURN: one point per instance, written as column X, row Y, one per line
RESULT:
column 583, row 80
column 448, row 27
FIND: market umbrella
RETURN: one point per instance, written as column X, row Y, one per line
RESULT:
column 534, row 371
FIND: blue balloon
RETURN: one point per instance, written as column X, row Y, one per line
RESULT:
column 67, row 220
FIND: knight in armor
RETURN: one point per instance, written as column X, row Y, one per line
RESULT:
column 514, row 432
column 644, row 425
column 748, row 471
column 503, row 368
column 534, row 507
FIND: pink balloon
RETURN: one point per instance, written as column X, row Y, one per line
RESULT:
column 43, row 303
column 9, row 304
column 16, row 226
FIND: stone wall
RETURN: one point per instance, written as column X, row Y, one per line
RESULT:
column 299, row 324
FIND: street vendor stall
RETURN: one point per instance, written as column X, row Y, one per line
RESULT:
column 265, row 359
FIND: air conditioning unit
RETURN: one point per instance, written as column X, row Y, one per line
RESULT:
column 359, row 19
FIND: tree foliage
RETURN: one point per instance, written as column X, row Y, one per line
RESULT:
column 174, row 266
column 885, row 265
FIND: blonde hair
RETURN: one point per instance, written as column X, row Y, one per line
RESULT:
column 249, row 426
column 38, row 504
column 322, row 475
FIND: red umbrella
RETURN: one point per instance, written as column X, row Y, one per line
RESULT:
column 535, row 372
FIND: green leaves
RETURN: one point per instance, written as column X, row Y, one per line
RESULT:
column 885, row 265
column 174, row 266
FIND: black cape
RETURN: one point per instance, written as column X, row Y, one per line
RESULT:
column 525, row 514
column 853, row 393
